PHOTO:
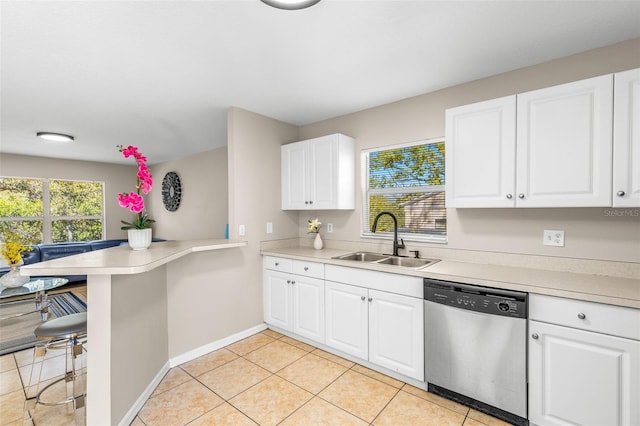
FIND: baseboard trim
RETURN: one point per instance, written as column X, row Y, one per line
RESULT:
column 181, row 359
column 144, row 396
column 214, row 346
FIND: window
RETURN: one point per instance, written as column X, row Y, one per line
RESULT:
column 408, row 181
column 48, row 210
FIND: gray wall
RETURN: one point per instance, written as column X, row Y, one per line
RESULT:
column 204, row 208
column 590, row 233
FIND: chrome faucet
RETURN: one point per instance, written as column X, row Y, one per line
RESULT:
column 396, row 245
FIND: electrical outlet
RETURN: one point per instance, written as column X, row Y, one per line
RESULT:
column 269, row 228
column 241, row 230
column 553, row 238
column 329, row 227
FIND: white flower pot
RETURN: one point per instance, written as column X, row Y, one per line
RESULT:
column 139, row 239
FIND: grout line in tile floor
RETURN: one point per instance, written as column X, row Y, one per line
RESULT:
column 270, row 379
column 467, row 417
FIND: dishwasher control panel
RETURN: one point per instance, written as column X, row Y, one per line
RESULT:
column 476, row 298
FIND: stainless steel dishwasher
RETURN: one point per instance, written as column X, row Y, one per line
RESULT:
column 476, row 347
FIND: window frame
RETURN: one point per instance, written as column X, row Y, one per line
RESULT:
column 366, row 233
column 47, row 218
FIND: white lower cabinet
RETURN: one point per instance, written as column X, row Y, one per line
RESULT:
column 347, row 319
column 384, row 328
column 579, row 373
column 295, row 302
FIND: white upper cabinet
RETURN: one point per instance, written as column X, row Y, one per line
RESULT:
column 564, row 145
column 319, row 174
column 481, row 154
column 545, row 148
column 626, row 139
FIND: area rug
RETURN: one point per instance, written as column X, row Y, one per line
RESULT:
column 17, row 333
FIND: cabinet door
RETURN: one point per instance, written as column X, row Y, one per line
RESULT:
column 277, row 299
column 396, row 333
column 481, row 154
column 626, row 139
column 295, row 176
column 308, row 307
column 564, row 145
column 581, row 377
column 323, row 172
column 346, row 318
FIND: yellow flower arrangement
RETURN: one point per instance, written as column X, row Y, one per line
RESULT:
column 313, row 226
column 12, row 247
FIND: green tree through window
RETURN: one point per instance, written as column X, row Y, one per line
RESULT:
column 408, row 181
column 47, row 210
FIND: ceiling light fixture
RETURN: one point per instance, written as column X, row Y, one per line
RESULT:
column 290, row 4
column 56, row 137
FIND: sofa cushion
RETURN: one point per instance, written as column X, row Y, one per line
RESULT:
column 103, row 244
column 55, row 250
column 32, row 256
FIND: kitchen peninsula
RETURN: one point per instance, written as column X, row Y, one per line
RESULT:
column 134, row 324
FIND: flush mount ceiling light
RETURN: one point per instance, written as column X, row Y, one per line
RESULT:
column 56, row 137
column 290, row 4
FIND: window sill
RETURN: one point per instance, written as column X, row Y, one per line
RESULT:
column 434, row 239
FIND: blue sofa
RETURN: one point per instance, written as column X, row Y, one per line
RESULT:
column 48, row 251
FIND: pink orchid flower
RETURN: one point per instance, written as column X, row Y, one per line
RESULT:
column 132, row 201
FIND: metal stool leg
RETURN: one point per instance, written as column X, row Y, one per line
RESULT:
column 67, row 333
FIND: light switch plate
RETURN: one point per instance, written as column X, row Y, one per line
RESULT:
column 269, row 227
column 553, row 238
column 329, row 227
column 241, row 230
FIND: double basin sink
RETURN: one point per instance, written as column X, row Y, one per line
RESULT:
column 385, row 259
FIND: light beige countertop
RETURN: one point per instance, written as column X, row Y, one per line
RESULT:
column 122, row 260
column 595, row 288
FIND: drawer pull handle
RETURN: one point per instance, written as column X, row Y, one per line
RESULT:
column 370, row 299
column 581, row 315
column 620, row 193
column 509, row 196
column 288, row 281
column 535, row 336
column 306, row 268
column 521, row 196
column 293, row 282
column 277, row 263
column 362, row 298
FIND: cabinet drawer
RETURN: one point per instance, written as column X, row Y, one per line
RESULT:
column 277, row 263
column 392, row 283
column 608, row 319
column 308, row 269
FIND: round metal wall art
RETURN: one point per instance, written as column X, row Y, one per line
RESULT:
column 171, row 191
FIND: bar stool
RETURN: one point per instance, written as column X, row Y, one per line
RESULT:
column 69, row 333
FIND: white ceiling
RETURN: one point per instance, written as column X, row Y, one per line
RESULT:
column 161, row 74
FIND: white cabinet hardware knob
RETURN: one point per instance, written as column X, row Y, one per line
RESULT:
column 620, row 193
column 534, row 336
column 362, row 298
column 509, row 196
column 581, row 315
column 521, row 196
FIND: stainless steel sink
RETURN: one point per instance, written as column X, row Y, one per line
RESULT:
column 362, row 256
column 406, row 262
column 385, row 259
